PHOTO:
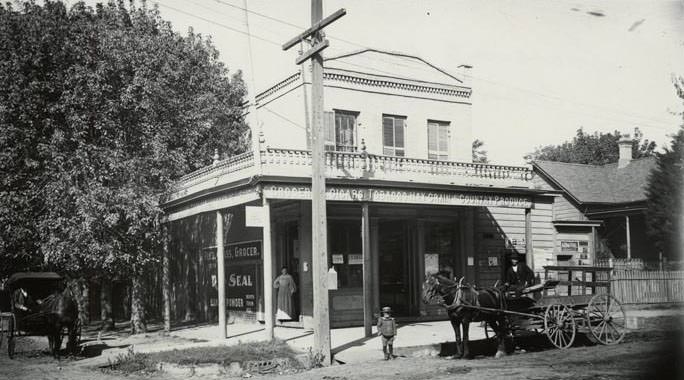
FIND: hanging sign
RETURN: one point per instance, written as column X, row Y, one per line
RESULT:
column 332, row 279
column 254, row 216
column 355, row 259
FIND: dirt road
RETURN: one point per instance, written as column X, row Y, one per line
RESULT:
column 654, row 353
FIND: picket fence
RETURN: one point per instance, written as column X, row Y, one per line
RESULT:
column 644, row 287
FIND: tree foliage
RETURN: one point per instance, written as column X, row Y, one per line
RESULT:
column 596, row 149
column 100, row 111
column 479, row 153
column 664, row 193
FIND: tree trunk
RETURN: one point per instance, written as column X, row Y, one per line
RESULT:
column 137, row 306
column 84, row 304
column 79, row 289
column 106, row 314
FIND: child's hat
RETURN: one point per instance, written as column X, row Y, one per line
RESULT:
column 386, row 309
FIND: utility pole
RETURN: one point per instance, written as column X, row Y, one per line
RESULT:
column 319, row 254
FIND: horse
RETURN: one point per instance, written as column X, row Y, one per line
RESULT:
column 58, row 311
column 462, row 302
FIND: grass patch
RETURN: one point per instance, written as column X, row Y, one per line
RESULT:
column 131, row 362
column 225, row 355
column 222, row 355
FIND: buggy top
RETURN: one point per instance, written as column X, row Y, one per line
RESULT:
column 37, row 284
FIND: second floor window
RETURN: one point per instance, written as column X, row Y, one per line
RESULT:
column 340, row 131
column 393, row 132
column 438, row 140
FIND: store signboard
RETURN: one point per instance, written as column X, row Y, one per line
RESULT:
column 403, row 196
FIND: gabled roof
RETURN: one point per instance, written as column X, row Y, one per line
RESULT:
column 600, row 183
column 392, row 64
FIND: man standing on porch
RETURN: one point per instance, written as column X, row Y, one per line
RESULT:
column 286, row 288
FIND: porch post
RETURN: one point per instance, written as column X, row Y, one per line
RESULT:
column 594, row 259
column 269, row 317
column 166, row 279
column 221, row 275
column 629, row 242
column 529, row 252
column 367, row 289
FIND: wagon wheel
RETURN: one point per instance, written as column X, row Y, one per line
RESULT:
column 606, row 319
column 559, row 325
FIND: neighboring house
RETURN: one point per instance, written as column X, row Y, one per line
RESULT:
column 599, row 212
column 399, row 179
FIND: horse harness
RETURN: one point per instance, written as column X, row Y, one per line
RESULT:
column 496, row 296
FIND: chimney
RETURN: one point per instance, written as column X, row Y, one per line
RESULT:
column 625, row 146
column 465, row 71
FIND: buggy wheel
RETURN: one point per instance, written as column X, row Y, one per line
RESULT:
column 606, row 319
column 2, row 330
column 10, row 336
column 10, row 347
column 559, row 325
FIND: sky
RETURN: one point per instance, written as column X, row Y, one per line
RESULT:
column 541, row 68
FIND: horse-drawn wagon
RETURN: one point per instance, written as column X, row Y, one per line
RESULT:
column 35, row 304
column 572, row 300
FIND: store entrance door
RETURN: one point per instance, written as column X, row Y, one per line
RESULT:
column 393, row 260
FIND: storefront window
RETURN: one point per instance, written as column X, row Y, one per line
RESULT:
column 441, row 244
column 345, row 255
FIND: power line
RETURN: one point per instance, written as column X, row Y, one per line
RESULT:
column 219, row 24
column 533, row 92
column 284, row 22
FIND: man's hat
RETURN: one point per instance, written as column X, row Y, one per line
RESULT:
column 386, row 309
column 516, row 256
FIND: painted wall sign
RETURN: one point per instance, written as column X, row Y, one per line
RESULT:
column 404, row 196
column 241, row 287
column 248, row 250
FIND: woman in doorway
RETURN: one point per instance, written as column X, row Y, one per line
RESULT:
column 286, row 288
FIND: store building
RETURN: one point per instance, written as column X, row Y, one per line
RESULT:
column 398, row 161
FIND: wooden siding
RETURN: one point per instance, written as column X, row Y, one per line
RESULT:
column 563, row 209
column 498, row 230
column 543, row 234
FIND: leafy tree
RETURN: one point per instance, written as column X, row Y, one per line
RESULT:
column 101, row 110
column 479, row 154
column 665, row 190
column 596, row 149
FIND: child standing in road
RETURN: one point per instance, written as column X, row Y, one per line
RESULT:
column 387, row 329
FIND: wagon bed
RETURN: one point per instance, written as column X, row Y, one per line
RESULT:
column 579, row 301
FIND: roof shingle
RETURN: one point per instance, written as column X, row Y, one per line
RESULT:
column 601, row 183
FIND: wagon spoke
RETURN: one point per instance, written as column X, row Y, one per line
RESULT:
column 561, row 337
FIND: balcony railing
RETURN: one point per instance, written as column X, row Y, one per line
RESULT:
column 352, row 165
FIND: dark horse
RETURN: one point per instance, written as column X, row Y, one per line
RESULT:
column 55, row 313
column 462, row 302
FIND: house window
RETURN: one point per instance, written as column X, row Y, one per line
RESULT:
column 438, row 140
column 340, row 131
column 393, row 132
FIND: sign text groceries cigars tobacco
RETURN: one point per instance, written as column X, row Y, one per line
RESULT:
column 400, row 196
